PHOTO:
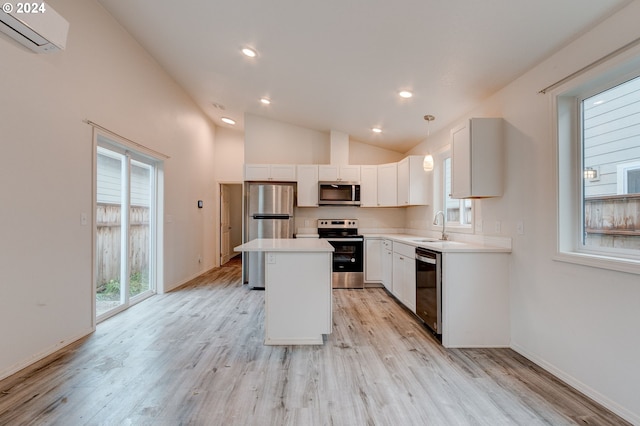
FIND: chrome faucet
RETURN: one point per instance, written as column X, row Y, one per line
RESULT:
column 435, row 222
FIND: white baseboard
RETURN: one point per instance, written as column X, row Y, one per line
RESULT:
column 634, row 418
column 186, row 280
column 45, row 353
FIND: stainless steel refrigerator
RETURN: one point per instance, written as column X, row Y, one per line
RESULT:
column 268, row 214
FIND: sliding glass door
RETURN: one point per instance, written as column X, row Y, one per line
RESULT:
column 125, row 227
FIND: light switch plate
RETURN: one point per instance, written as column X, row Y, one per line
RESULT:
column 498, row 227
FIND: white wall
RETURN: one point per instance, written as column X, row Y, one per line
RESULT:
column 46, row 174
column 362, row 153
column 229, row 155
column 577, row 321
column 270, row 141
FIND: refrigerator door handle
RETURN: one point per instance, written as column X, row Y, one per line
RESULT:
column 271, row 216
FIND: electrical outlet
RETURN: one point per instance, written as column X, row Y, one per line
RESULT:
column 479, row 226
column 498, row 227
column 83, row 219
column 271, row 258
column 520, row 227
column 199, row 258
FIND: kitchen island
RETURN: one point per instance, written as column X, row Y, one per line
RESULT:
column 298, row 304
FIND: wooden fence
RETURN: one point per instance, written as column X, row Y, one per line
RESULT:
column 108, row 242
column 613, row 221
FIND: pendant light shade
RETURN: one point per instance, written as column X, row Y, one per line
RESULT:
column 427, row 163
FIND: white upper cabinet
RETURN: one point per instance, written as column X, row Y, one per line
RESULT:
column 267, row 172
column 387, row 185
column 307, row 178
column 477, row 159
column 369, row 186
column 338, row 173
column 414, row 183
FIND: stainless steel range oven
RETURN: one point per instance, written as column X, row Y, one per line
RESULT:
column 348, row 256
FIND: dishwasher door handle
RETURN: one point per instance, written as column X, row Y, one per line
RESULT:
column 430, row 260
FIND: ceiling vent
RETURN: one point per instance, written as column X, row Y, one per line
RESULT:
column 42, row 29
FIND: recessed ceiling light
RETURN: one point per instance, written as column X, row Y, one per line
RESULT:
column 265, row 101
column 228, row 120
column 376, row 130
column 249, row 52
column 405, row 94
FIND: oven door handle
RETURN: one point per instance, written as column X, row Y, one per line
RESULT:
column 346, row 240
column 426, row 259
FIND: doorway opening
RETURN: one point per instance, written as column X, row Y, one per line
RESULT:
column 230, row 221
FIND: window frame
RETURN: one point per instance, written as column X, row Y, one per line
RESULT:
column 440, row 196
column 567, row 120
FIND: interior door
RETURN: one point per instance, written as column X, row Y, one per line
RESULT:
column 225, row 224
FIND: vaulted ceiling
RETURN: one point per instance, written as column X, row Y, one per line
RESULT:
column 339, row 64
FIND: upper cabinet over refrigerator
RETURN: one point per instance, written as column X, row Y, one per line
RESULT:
column 477, row 159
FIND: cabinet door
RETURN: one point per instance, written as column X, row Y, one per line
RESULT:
column 283, row 172
column 257, row 172
column 388, row 185
column 307, row 177
column 333, row 173
column 398, row 276
column 369, row 186
column 477, row 159
column 327, row 173
column 403, row 182
column 420, row 186
column 387, row 265
column 410, row 283
column 373, row 260
column 349, row 173
column 460, row 162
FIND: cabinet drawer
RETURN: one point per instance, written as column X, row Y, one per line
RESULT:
column 404, row 249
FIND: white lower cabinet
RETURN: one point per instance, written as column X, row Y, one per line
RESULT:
column 404, row 275
column 475, row 300
column 387, row 265
column 372, row 260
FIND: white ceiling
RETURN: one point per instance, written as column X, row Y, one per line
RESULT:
column 338, row 64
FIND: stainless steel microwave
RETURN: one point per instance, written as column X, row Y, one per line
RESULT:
column 338, row 193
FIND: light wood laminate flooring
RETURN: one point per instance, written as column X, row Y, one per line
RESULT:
column 195, row 356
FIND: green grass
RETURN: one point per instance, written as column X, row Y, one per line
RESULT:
column 138, row 282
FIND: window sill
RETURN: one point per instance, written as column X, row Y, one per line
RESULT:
column 629, row 266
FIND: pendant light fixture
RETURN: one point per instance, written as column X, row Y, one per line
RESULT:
column 427, row 163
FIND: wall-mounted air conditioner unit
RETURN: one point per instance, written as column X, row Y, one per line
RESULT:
column 41, row 30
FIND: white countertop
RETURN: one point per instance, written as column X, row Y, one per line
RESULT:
column 441, row 246
column 286, row 244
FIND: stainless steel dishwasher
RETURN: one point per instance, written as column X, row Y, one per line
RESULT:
column 429, row 289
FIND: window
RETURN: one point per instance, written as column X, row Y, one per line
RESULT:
column 458, row 213
column 610, row 129
column 599, row 172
